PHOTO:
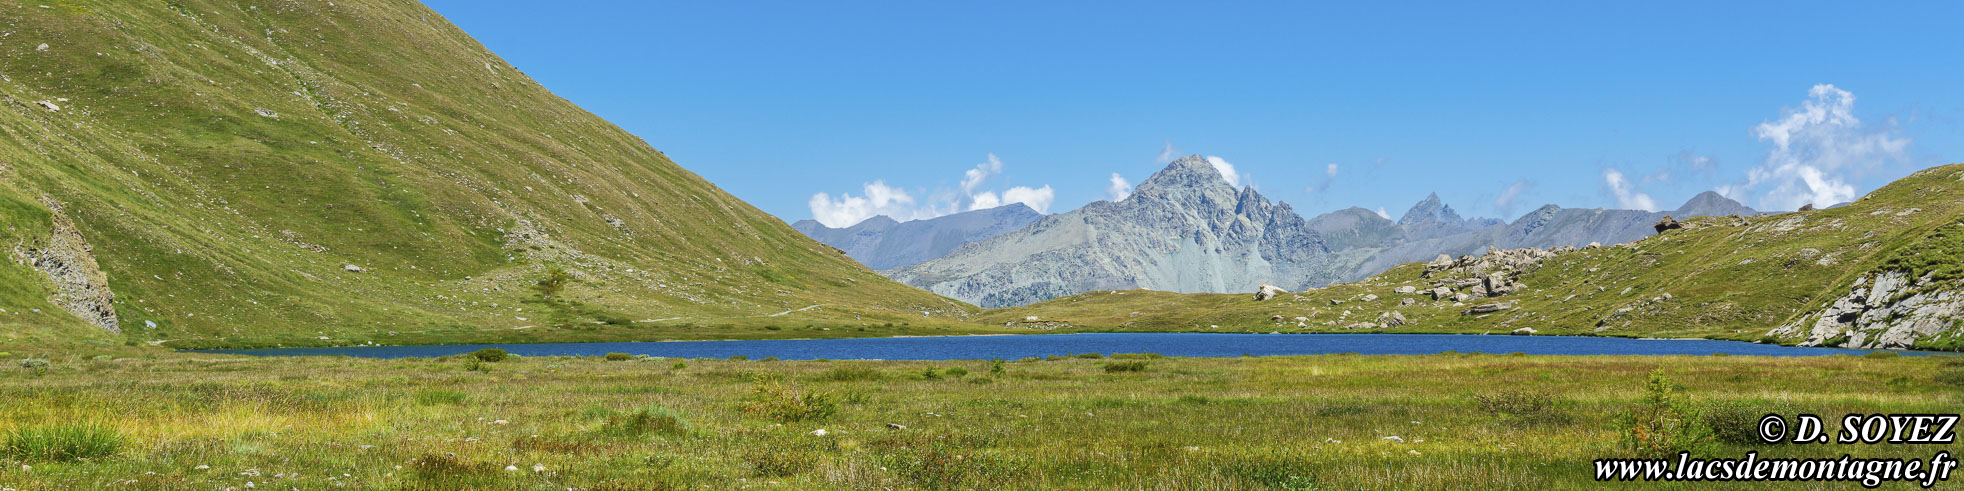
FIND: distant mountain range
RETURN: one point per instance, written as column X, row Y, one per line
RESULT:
column 882, row 243
column 1185, row 229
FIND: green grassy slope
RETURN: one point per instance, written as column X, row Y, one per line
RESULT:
column 227, row 159
column 1728, row 278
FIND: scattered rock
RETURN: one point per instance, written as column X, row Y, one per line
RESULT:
column 1525, row 331
column 1489, row 308
column 42, row 47
column 1391, row 319
column 1805, row 207
column 895, row 426
column 818, row 432
column 49, row 105
column 1370, row 298
column 351, row 268
column 1405, row 302
column 69, row 262
column 1667, row 223
column 266, row 112
column 1267, row 292
column 1405, row 290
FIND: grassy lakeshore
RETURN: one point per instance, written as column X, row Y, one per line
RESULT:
column 1312, row 422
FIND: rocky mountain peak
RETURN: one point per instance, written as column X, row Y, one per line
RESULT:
column 1431, row 210
column 1711, row 203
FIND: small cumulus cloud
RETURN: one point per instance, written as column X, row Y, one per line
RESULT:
column 1815, row 151
column 1627, row 197
column 1331, row 171
column 1383, row 214
column 1511, row 196
column 1329, row 177
column 1167, row 153
column 878, row 199
column 1119, row 188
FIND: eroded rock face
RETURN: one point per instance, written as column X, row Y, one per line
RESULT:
column 80, row 287
column 1886, row 310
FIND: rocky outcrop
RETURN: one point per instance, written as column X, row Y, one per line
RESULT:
column 1883, row 310
column 80, row 287
column 1267, row 292
column 1667, row 223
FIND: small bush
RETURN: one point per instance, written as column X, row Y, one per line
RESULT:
column 930, row 374
column 647, row 420
column 1125, row 366
column 957, row 372
column 679, row 364
column 619, row 357
column 995, row 366
column 1522, row 407
column 769, row 358
column 851, row 374
column 1088, row 356
column 739, row 358
column 1137, row 356
column 492, row 355
column 61, row 443
column 1663, row 423
column 1881, row 355
column 771, row 399
column 475, row 365
column 35, row 365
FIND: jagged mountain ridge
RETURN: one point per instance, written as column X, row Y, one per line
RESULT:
column 882, row 243
column 1183, row 229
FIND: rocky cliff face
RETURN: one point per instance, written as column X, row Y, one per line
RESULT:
column 1887, row 310
column 1185, row 229
column 882, row 243
column 66, row 258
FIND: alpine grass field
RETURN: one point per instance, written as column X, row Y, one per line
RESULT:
column 219, row 173
column 1453, row 421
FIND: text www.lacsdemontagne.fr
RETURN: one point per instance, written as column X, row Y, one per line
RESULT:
column 1868, row 472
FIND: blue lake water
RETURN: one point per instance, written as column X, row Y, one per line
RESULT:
column 1170, row 344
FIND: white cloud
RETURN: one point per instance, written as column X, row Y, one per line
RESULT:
column 1226, row 169
column 1626, row 194
column 974, row 178
column 848, row 210
column 1119, row 189
column 1330, row 177
column 1331, row 171
column 880, row 199
column 1382, row 213
column 1039, row 198
column 1815, row 149
column 1510, row 196
column 1167, row 154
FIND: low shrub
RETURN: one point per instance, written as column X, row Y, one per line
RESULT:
column 957, row 372
column 1125, row 366
column 784, row 403
column 1137, row 356
column 647, row 420
column 61, row 443
column 1881, row 355
column 1088, row 356
column 35, row 365
column 851, row 373
column 995, row 366
column 679, row 364
column 619, row 357
column 930, row 374
column 1663, row 422
column 492, row 355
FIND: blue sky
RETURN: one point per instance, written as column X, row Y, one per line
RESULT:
column 1499, row 107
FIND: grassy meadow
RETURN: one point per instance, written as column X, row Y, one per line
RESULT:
column 1090, row 422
